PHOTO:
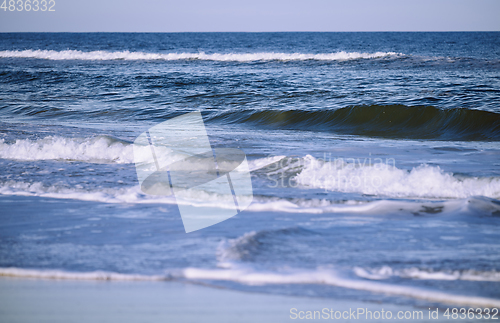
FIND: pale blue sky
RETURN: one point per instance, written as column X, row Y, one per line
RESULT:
column 258, row 15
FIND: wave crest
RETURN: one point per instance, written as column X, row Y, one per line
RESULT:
column 101, row 149
column 389, row 121
column 228, row 57
column 387, row 180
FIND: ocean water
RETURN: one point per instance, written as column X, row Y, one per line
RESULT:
column 375, row 161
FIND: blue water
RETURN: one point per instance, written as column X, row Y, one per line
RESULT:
column 374, row 158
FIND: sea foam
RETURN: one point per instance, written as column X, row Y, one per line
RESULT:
column 223, row 57
column 66, row 275
column 101, row 149
column 386, row 272
column 330, row 277
column 377, row 179
column 385, row 179
column 320, row 276
column 134, row 195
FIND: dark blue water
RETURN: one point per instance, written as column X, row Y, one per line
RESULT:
column 374, row 158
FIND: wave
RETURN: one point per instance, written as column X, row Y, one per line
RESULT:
column 100, row 149
column 389, row 121
column 386, row 272
column 365, row 177
column 130, row 195
column 384, row 179
column 96, row 149
column 133, row 195
column 94, row 275
column 338, row 175
column 332, row 278
column 229, row 57
column 319, row 276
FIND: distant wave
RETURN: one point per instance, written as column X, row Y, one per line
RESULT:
column 228, row 57
column 390, row 121
column 102, row 55
column 252, row 277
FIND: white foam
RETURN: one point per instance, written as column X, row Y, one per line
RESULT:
column 235, row 57
column 130, row 195
column 387, row 180
column 330, row 277
column 101, row 149
column 386, row 272
column 94, row 275
column 422, row 182
column 134, row 195
column 263, row 162
column 251, row 277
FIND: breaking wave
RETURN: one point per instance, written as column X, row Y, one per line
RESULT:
column 383, row 179
column 229, row 57
column 134, row 195
column 101, row 149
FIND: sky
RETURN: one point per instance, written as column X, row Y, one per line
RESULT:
column 253, row 16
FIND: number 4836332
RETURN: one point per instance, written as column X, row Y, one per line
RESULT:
column 28, row 5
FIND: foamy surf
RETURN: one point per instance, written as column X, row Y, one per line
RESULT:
column 66, row 275
column 134, row 195
column 375, row 178
column 332, row 278
column 387, row 272
column 223, row 57
column 384, row 179
column 128, row 195
column 101, row 149
column 251, row 277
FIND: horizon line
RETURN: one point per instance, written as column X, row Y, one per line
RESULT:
column 255, row 32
